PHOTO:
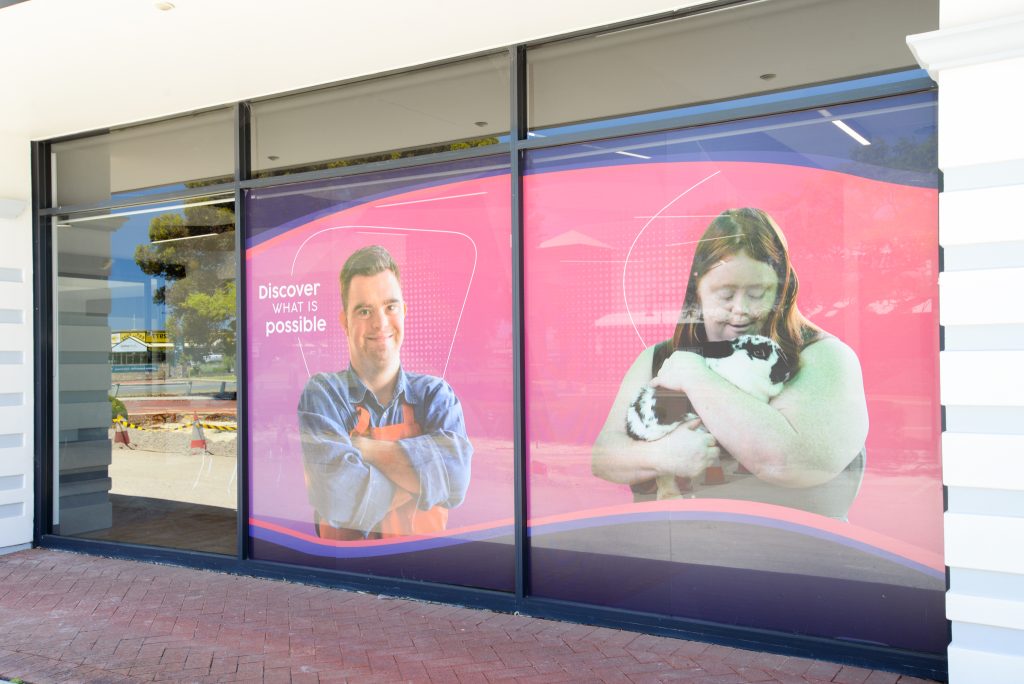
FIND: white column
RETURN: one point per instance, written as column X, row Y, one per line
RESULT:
column 16, row 345
column 977, row 58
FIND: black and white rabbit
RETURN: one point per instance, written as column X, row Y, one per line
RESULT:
column 753, row 363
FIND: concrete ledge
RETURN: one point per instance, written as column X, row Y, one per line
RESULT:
column 12, row 549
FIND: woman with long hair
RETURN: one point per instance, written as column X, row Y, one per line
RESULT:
column 804, row 448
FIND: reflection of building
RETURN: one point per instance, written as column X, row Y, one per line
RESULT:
column 139, row 351
column 976, row 56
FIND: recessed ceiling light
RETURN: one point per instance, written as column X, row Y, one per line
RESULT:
column 767, row 77
column 164, row 6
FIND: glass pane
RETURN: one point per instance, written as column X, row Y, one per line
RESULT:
column 821, row 489
column 450, row 107
column 726, row 53
column 382, row 431
column 144, row 159
column 145, row 391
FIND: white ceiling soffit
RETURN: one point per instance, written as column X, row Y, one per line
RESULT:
column 197, row 146
column 462, row 100
column 732, row 52
column 75, row 65
column 87, row 65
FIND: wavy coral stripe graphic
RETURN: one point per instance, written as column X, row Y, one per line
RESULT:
column 767, row 515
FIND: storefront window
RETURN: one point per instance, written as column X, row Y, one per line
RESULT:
column 145, row 391
column 446, row 108
column 777, row 276
column 141, row 160
column 718, row 54
column 380, row 362
column 729, row 394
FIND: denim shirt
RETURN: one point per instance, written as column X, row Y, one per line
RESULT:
column 349, row 493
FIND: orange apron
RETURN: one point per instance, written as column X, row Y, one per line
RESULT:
column 404, row 518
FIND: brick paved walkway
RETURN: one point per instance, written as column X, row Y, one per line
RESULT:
column 67, row 617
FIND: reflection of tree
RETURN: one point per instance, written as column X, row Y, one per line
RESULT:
column 387, row 156
column 193, row 250
column 906, row 154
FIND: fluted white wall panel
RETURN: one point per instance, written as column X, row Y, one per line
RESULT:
column 977, row 57
column 975, row 666
column 983, row 461
column 87, row 338
column 985, row 542
column 84, row 376
column 978, row 111
column 970, row 217
column 982, row 378
column 981, row 297
column 17, row 343
column 996, row 612
column 86, row 415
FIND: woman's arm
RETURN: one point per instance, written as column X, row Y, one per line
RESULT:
column 803, row 437
column 617, row 457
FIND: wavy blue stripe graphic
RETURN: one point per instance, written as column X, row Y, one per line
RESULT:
column 373, row 550
column 903, row 129
column 902, row 149
column 284, row 201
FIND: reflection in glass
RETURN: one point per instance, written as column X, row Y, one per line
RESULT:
column 146, row 384
column 140, row 160
column 450, row 107
column 381, row 438
column 693, row 238
column 726, row 52
column 740, row 322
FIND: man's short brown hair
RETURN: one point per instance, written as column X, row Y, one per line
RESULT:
column 367, row 261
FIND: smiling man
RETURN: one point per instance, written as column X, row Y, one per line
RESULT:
column 385, row 451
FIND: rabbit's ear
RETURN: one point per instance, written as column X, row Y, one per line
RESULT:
column 716, row 350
